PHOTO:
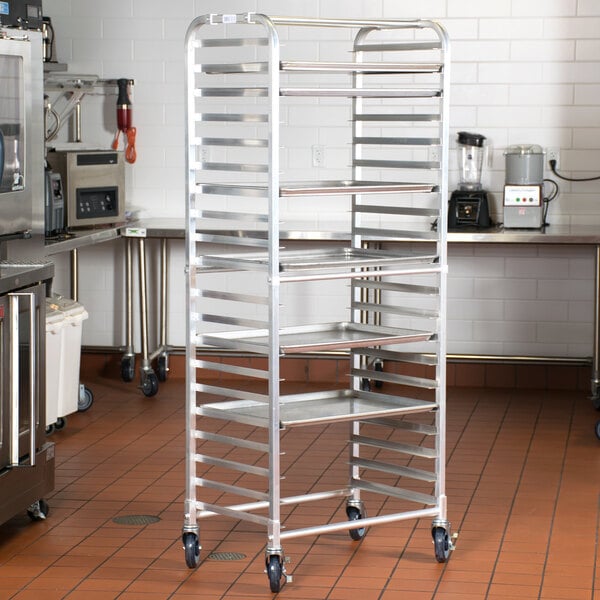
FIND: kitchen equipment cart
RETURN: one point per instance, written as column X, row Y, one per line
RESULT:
column 251, row 109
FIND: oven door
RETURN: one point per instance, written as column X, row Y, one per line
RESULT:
column 22, row 406
column 21, row 130
column 4, row 388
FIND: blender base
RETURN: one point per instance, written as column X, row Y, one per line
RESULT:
column 468, row 208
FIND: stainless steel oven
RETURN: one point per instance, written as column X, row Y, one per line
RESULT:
column 26, row 458
column 21, row 142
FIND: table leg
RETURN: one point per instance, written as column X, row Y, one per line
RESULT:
column 595, row 384
column 128, row 358
column 149, row 381
column 163, row 356
column 74, row 275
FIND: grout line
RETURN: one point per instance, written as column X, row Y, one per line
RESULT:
column 556, row 499
column 596, row 548
column 516, row 491
column 483, row 468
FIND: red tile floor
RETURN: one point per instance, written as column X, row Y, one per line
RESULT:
column 523, row 488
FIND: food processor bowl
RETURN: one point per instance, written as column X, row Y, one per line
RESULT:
column 524, row 164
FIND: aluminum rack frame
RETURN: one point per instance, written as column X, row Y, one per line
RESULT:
column 240, row 97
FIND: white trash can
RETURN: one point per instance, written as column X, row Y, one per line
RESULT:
column 55, row 320
column 74, row 314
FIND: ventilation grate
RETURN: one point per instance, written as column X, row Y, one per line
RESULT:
column 226, row 556
column 136, row 519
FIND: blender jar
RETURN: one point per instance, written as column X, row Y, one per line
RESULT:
column 470, row 160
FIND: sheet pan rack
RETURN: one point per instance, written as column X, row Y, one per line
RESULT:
column 244, row 92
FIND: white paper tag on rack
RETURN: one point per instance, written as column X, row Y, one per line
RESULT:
column 229, row 19
column 135, row 232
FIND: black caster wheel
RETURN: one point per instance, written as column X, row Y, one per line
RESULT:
column 50, row 429
column 162, row 367
column 149, row 384
column 354, row 514
column 598, row 429
column 191, row 547
column 441, row 544
column 38, row 511
column 365, row 384
column 61, row 423
column 275, row 572
column 596, row 401
column 86, row 399
column 128, row 368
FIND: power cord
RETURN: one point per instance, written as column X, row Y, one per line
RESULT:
column 547, row 199
column 552, row 164
column 130, row 152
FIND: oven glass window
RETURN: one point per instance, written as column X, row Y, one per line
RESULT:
column 12, row 147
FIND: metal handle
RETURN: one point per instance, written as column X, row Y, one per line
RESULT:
column 14, row 377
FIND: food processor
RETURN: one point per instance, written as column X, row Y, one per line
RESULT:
column 524, row 178
column 468, row 205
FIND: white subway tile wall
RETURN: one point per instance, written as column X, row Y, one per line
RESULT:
column 523, row 72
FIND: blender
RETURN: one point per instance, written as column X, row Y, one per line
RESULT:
column 468, row 205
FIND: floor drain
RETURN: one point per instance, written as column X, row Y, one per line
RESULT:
column 226, row 556
column 136, row 519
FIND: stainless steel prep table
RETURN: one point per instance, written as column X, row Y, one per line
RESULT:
column 71, row 243
column 81, row 238
column 578, row 235
column 138, row 231
column 76, row 240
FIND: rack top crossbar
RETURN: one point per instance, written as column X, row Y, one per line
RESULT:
column 378, row 23
column 253, row 17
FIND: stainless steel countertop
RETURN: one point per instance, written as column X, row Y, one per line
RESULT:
column 16, row 275
column 552, row 234
column 175, row 229
column 81, row 238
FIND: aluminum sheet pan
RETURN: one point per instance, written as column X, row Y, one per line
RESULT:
column 317, row 188
column 345, row 93
column 309, row 338
column 366, row 67
column 321, row 407
column 333, row 258
column 352, row 187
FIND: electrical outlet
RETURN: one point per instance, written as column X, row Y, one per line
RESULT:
column 318, row 155
column 435, row 154
column 553, row 154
